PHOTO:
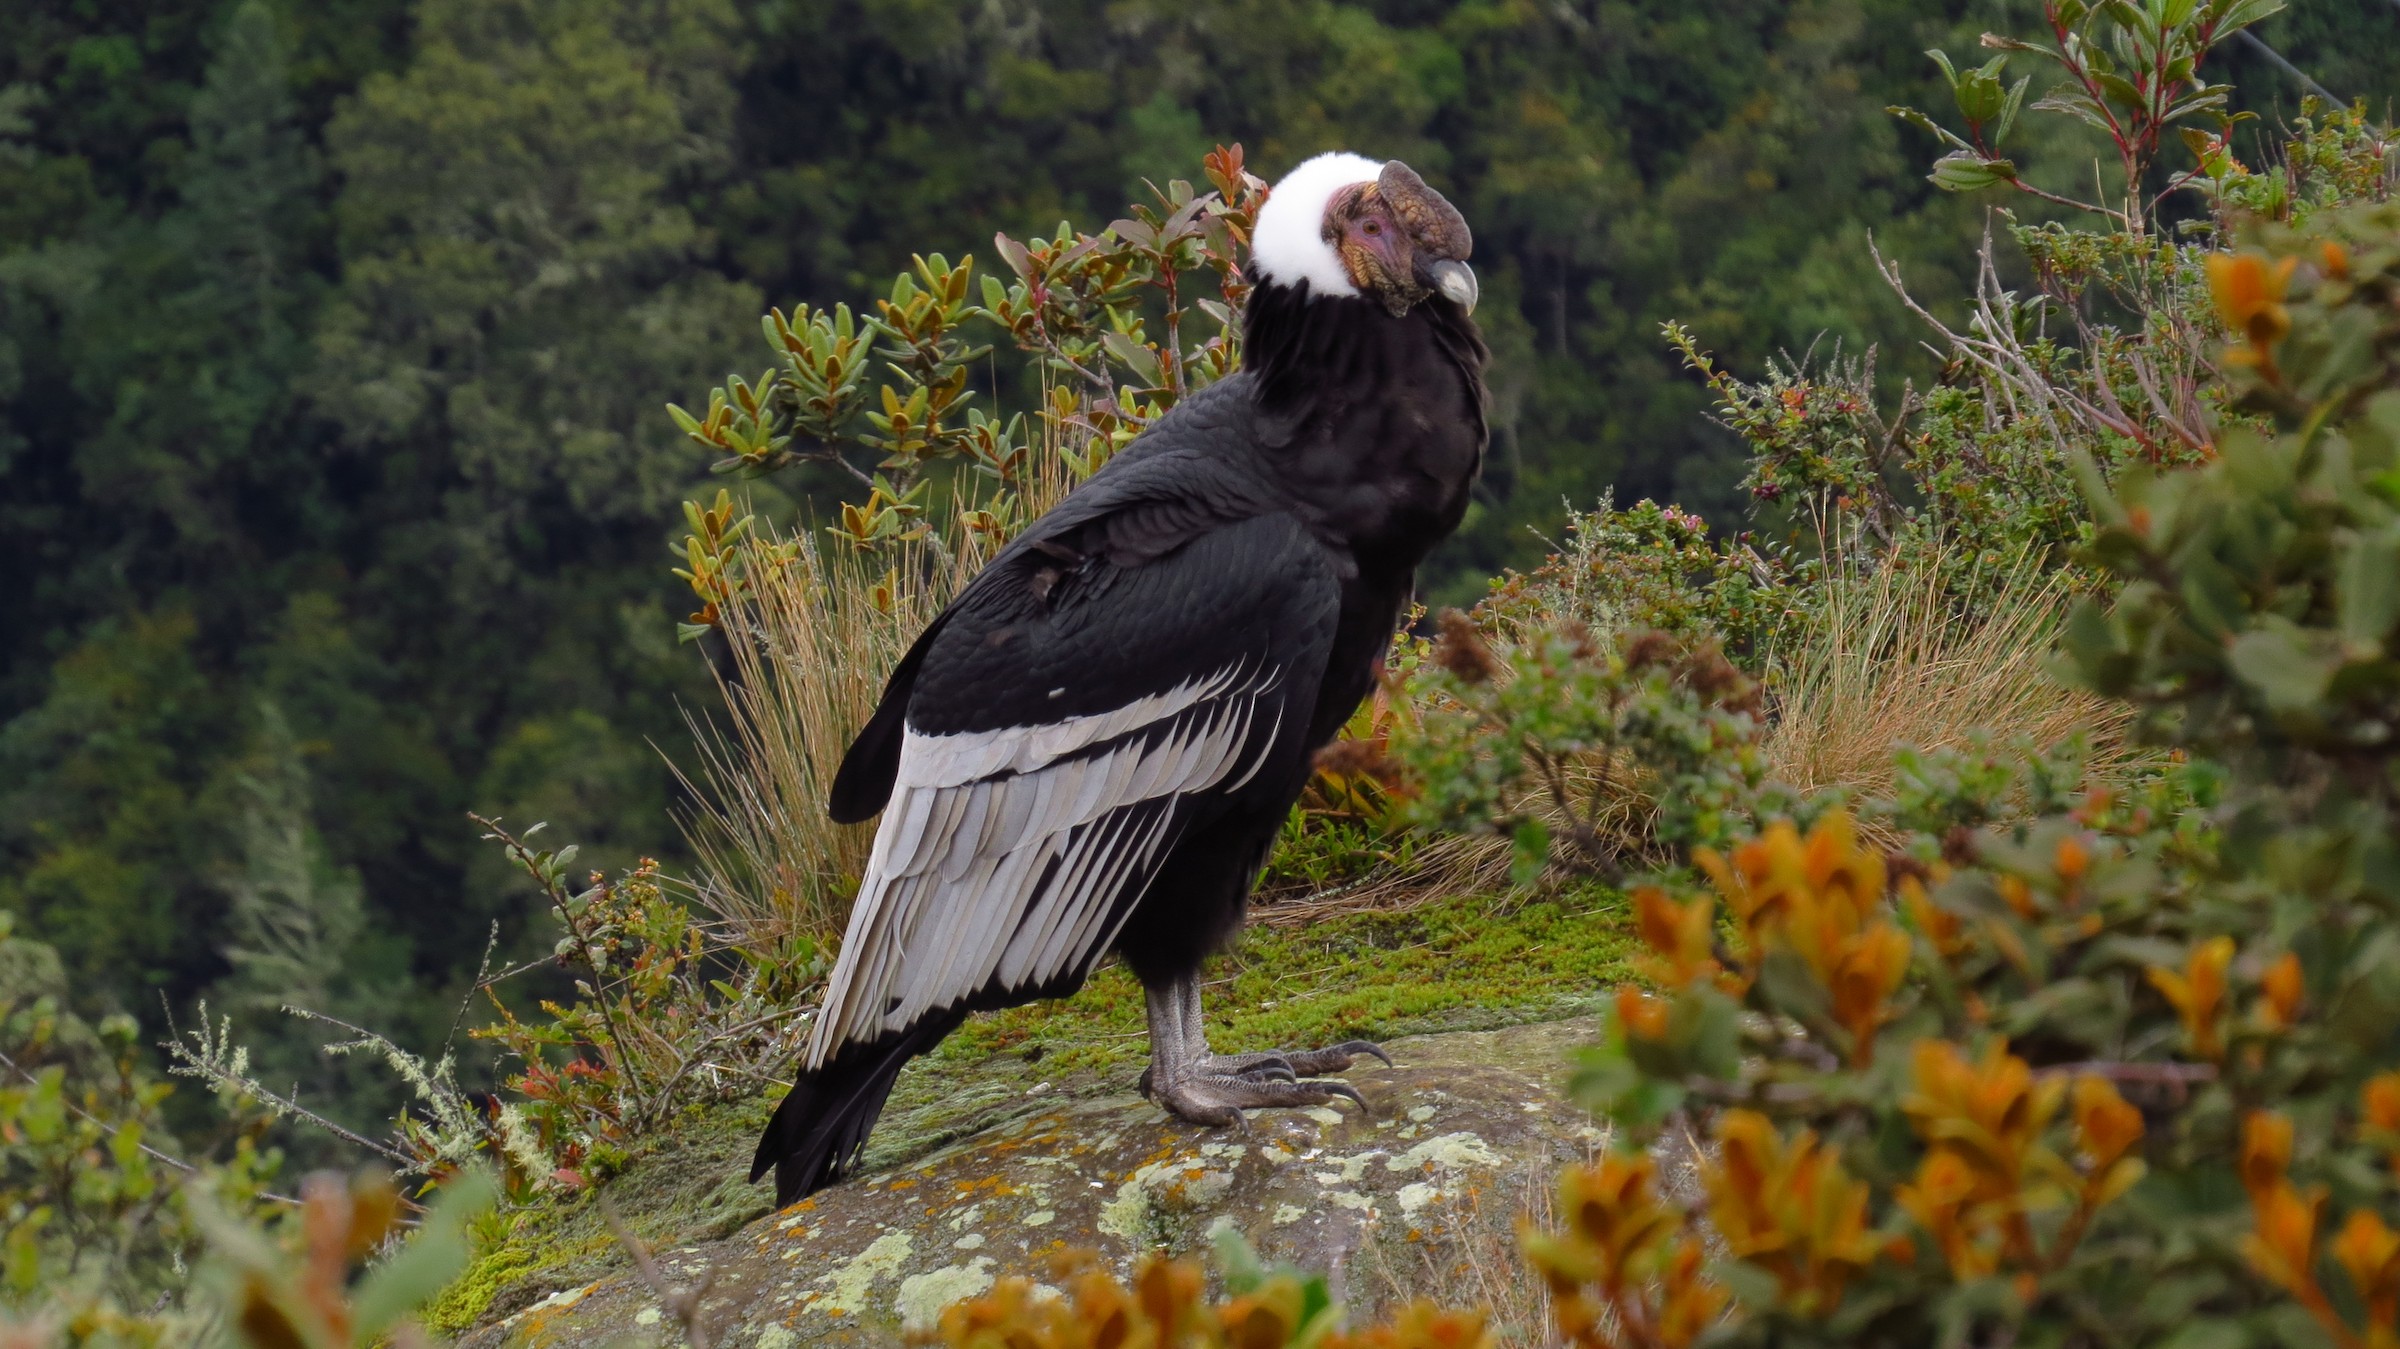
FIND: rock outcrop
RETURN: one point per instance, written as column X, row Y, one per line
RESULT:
column 1418, row 1193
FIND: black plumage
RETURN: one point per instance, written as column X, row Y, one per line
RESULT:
column 1095, row 744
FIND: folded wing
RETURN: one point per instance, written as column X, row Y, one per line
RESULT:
column 1072, row 719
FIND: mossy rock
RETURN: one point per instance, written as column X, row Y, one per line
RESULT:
column 1464, row 965
column 1466, row 1132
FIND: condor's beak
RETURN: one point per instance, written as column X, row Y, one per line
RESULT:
column 1457, row 281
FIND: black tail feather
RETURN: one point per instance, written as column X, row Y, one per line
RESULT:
column 822, row 1124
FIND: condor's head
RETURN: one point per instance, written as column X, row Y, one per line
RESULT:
column 1349, row 227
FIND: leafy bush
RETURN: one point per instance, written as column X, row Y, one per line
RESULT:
column 2122, row 1071
column 105, row 1216
column 1099, row 318
column 1595, row 733
column 666, row 1014
column 94, row 1228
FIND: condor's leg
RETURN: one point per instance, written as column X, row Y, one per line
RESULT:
column 1208, row 1088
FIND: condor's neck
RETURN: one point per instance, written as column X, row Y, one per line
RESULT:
column 1300, row 347
column 1376, row 421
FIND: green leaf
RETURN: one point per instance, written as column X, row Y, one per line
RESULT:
column 2367, row 587
column 1979, row 92
column 1927, row 125
column 1237, row 1261
column 2213, row 597
column 1529, row 851
column 2275, row 661
column 1135, row 357
column 433, row 1257
column 1964, row 171
column 2008, row 114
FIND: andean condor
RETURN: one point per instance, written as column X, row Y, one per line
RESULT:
column 1093, row 747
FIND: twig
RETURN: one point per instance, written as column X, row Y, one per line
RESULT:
column 2119, row 216
column 207, row 1069
column 152, row 1153
column 482, row 981
column 682, row 1303
column 692, row 1059
column 559, row 900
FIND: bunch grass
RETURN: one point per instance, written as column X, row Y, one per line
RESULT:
column 805, row 664
column 1888, row 656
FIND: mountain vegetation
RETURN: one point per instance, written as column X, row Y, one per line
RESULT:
column 332, row 339
column 335, row 343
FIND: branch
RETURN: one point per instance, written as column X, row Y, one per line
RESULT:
column 2119, row 216
column 152, row 1153
column 207, row 1070
column 682, row 1303
column 553, row 891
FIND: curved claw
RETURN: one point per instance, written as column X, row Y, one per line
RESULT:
column 1344, row 1089
column 1364, row 1047
column 1273, row 1070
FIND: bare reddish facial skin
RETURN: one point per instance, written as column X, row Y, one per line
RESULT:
column 1382, row 228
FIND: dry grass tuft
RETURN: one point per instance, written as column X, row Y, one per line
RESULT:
column 1888, row 660
column 808, row 663
column 1474, row 1264
column 1891, row 661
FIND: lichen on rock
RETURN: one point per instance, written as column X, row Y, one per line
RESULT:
column 1455, row 1140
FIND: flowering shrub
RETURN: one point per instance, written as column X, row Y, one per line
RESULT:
column 665, row 1016
column 2120, row 1068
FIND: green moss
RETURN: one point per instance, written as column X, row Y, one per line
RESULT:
column 1455, row 965
column 1462, row 964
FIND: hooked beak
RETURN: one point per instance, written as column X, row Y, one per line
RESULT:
column 1456, row 280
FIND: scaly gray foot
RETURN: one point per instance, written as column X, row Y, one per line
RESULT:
column 1332, row 1058
column 1210, row 1088
column 1217, row 1100
column 1286, row 1065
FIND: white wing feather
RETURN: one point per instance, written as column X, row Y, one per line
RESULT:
column 1001, row 857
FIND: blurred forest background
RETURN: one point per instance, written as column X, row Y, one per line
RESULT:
column 335, row 489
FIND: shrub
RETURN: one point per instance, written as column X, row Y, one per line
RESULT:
column 2123, row 1068
column 105, row 1216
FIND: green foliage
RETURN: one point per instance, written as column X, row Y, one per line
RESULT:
column 2260, row 597
column 95, row 1231
column 114, row 1234
column 1611, row 747
column 2332, row 156
column 665, row 1017
column 1080, row 311
column 2130, row 71
column 2124, row 1064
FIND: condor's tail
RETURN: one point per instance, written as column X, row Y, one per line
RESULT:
column 822, row 1124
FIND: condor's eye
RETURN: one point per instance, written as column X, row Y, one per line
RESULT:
column 1372, row 226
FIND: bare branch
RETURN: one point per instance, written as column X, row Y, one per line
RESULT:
column 681, row 1303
